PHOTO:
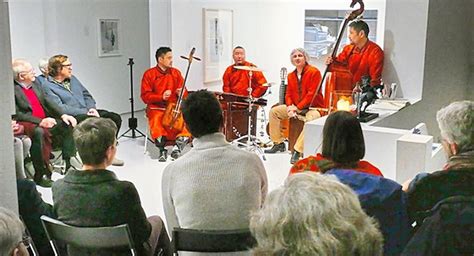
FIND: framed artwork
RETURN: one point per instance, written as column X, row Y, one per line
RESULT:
column 109, row 37
column 218, row 41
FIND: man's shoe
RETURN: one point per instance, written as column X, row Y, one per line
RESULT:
column 45, row 182
column 295, row 157
column 163, row 155
column 175, row 153
column 280, row 147
column 117, row 162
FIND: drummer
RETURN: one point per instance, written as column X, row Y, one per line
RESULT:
column 236, row 80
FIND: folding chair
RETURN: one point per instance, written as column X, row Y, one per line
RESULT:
column 87, row 237
column 193, row 240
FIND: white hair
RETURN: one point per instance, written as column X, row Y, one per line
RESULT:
column 43, row 65
column 314, row 214
column 456, row 123
column 11, row 231
column 303, row 51
column 18, row 66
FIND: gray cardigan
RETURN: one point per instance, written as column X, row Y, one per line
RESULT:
column 213, row 186
column 75, row 102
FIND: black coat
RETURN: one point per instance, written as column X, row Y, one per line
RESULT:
column 23, row 107
column 97, row 199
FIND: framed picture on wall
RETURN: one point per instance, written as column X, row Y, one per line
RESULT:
column 109, row 37
column 218, row 41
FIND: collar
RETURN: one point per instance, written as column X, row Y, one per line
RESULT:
column 23, row 85
column 357, row 50
column 164, row 72
column 95, row 176
column 50, row 78
column 213, row 140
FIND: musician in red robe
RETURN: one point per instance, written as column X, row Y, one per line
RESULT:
column 362, row 57
column 160, row 85
column 237, row 80
column 303, row 84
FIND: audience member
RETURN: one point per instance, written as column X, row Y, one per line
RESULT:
column 343, row 147
column 43, row 67
column 21, row 149
column 32, row 207
column 383, row 199
column 442, row 203
column 43, row 121
column 215, row 185
column 11, row 235
column 314, row 214
column 94, row 197
column 68, row 92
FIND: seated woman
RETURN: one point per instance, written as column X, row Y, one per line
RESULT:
column 314, row 214
column 94, row 197
column 343, row 147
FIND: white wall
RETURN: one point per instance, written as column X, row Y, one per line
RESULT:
column 8, row 196
column 268, row 30
column 160, row 26
column 448, row 69
column 44, row 28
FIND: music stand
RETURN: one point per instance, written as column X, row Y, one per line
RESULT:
column 249, row 141
column 132, row 121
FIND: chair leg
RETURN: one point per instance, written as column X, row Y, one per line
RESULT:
column 146, row 140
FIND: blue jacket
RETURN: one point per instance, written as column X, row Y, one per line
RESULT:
column 384, row 200
column 75, row 102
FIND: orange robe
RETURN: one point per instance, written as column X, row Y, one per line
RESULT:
column 301, row 97
column 155, row 82
column 237, row 81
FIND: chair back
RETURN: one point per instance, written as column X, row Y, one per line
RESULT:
column 193, row 240
column 87, row 237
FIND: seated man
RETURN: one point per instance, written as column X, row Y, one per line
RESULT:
column 314, row 214
column 303, row 84
column 68, row 92
column 12, row 242
column 162, row 85
column 43, row 67
column 94, row 197
column 43, row 121
column 215, row 185
column 456, row 123
column 237, row 80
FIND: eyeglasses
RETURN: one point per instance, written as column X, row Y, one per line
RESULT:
column 26, row 241
column 66, row 65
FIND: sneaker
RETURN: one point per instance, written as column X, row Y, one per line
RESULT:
column 295, row 157
column 280, row 147
column 117, row 162
column 163, row 155
column 175, row 153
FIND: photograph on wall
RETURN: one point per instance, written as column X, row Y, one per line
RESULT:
column 109, row 37
column 218, row 36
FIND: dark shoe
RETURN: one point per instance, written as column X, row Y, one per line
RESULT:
column 295, row 157
column 280, row 147
column 44, row 182
column 181, row 142
column 175, row 153
column 163, row 155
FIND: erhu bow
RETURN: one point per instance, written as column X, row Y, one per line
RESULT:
column 173, row 118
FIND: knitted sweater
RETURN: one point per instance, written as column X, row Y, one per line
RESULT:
column 214, row 186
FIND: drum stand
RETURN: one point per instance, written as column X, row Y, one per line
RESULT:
column 249, row 141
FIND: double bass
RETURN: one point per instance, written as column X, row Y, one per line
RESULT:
column 173, row 117
column 340, row 77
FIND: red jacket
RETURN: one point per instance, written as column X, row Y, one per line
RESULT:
column 156, row 81
column 310, row 79
column 367, row 61
column 237, row 81
column 318, row 162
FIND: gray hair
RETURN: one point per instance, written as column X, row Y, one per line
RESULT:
column 18, row 66
column 43, row 65
column 456, row 123
column 314, row 214
column 303, row 51
column 11, row 231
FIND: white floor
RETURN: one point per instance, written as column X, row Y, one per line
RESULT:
column 144, row 170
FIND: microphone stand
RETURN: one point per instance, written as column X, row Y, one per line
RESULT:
column 132, row 121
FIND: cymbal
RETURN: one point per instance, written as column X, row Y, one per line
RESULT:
column 248, row 68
